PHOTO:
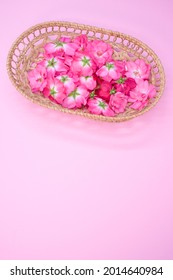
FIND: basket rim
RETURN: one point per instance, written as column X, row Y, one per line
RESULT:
column 109, row 32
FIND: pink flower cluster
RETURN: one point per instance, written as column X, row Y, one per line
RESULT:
column 77, row 73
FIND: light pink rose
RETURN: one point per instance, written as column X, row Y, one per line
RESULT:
column 77, row 98
column 98, row 106
column 55, row 90
column 82, row 65
column 109, row 72
column 88, row 81
column 53, row 65
column 138, row 69
column 63, row 45
column 68, row 83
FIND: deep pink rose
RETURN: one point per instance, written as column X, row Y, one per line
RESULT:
column 125, row 85
column 104, row 90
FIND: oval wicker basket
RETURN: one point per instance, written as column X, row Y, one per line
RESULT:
column 26, row 48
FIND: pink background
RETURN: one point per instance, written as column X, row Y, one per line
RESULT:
column 72, row 188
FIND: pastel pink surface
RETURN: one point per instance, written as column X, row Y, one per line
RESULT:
column 72, row 188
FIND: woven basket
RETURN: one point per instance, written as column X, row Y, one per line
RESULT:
column 26, row 48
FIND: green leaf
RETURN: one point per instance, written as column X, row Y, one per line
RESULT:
column 52, row 62
column 85, row 61
column 59, row 44
column 74, row 93
column 64, row 79
column 121, row 80
column 92, row 94
column 112, row 91
column 102, row 104
column 53, row 91
column 110, row 66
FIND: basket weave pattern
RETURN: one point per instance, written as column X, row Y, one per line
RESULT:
column 26, row 48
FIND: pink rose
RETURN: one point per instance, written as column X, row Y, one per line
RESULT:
column 76, row 98
column 118, row 102
column 37, row 78
column 100, row 51
column 141, row 94
column 81, row 41
column 120, row 65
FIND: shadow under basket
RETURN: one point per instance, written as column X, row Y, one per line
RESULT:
column 26, row 48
